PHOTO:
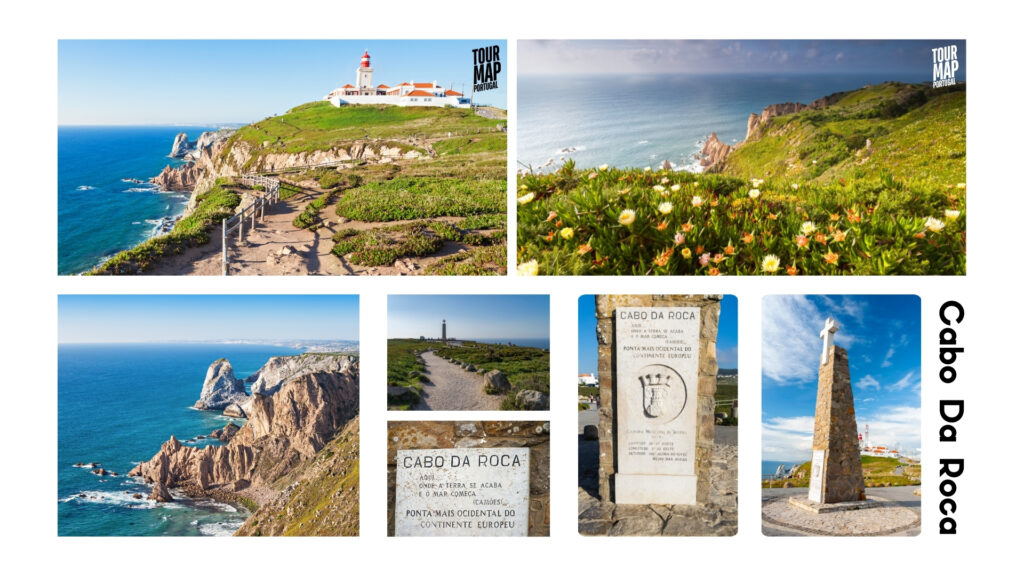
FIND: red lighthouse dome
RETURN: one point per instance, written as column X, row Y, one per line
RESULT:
column 365, row 62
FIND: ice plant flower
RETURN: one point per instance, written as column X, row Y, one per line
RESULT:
column 821, row 238
column 705, row 259
column 791, row 270
column 808, row 228
column 756, row 182
column 713, row 272
column 686, row 253
column 665, row 180
column 659, row 189
column 833, row 217
column 662, row 225
column 794, row 186
column 558, row 224
column 675, row 188
column 551, row 216
column 665, row 207
column 627, row 217
column 962, row 185
column 832, row 258
column 714, row 201
column 802, row 241
column 647, row 168
column 686, row 227
column 679, row 238
column 730, row 249
column 528, row 268
column 770, row 263
column 934, row 224
column 952, row 214
column 754, row 193
column 583, row 249
column 773, row 216
column 624, row 191
column 602, row 167
column 839, row 235
column 526, row 198
column 747, row 238
column 662, row 259
column 718, row 258
column 592, row 175
column 697, row 201
column 566, row 233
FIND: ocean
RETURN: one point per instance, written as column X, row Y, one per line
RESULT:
column 543, row 343
column 117, row 403
column 770, row 466
column 640, row 121
column 99, row 214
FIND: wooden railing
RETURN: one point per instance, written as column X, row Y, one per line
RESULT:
column 270, row 196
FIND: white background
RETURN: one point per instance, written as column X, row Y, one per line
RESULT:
column 988, row 494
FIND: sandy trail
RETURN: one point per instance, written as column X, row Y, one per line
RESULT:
column 452, row 388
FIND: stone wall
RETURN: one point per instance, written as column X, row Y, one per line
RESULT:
column 707, row 383
column 835, row 431
column 476, row 434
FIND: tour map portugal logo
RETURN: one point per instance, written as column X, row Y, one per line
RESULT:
column 486, row 67
column 944, row 66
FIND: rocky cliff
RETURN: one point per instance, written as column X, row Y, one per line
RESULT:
column 280, row 368
column 221, row 388
column 713, row 152
column 181, row 146
column 756, row 121
column 284, row 431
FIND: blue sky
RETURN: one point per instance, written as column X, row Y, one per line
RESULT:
column 587, row 325
column 882, row 336
column 136, row 82
column 469, row 316
column 206, row 318
column 906, row 60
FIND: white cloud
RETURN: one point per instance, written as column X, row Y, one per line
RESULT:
column 868, row 381
column 790, row 346
column 910, row 379
column 787, row 439
column 888, row 356
column 894, row 426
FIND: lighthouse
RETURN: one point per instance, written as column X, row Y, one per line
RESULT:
column 364, row 76
column 444, row 331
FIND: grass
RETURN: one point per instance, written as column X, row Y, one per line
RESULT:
column 526, row 368
column 382, row 246
column 193, row 230
column 309, row 217
column 404, row 369
column 486, row 261
column 471, row 144
column 878, row 472
column 412, row 198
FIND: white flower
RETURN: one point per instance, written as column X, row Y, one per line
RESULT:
column 627, row 217
column 754, row 193
column 808, row 228
column 602, row 167
column 659, row 188
column 934, row 224
column 675, row 187
column 665, row 180
column 952, row 214
column 526, row 199
column 697, row 201
column 647, row 168
column 756, row 182
column 794, row 186
column 528, row 268
column 770, row 264
column 665, row 207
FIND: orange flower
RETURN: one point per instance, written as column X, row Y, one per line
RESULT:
column 700, row 248
column 718, row 258
column 820, row 237
column 558, row 224
column 773, row 216
column 714, row 202
column 919, row 235
column 599, row 262
column 833, row 217
column 839, row 235
column 624, row 191
column 583, row 249
column 802, row 241
column 686, row 227
column 662, row 259
column 832, row 258
column 747, row 238
column 551, row 216
column 550, row 236
column 791, row 270
column 662, row 225
column 853, row 216
column 713, row 272
column 730, row 249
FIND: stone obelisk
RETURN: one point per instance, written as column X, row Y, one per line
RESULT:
column 836, row 474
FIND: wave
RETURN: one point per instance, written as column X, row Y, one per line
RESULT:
column 84, row 188
column 139, row 189
column 570, row 149
column 122, row 498
column 642, row 142
column 219, row 528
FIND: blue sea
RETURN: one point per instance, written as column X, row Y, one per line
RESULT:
column 768, row 467
column 640, row 121
column 117, row 403
column 98, row 214
column 543, row 343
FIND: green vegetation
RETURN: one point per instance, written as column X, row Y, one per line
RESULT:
column 193, row 230
column 526, row 368
column 878, row 472
column 486, row 261
column 382, row 246
column 582, row 390
column 404, row 369
column 412, row 198
column 471, row 145
column 310, row 215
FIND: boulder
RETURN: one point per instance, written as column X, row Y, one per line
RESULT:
column 495, row 382
column 234, row 411
column 470, row 368
column 590, row 432
column 221, row 388
column 532, row 400
column 401, row 395
column 181, row 146
column 161, row 493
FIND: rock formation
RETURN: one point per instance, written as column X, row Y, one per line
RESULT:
column 281, row 368
column 181, row 178
column 757, row 121
column 284, row 430
column 181, row 146
column 532, row 400
column 713, row 152
column 221, row 388
column 495, row 382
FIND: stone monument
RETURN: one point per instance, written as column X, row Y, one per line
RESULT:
column 657, row 377
column 836, row 474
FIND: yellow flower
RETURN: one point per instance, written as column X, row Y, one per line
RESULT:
column 832, row 257
column 675, row 187
column 770, row 264
column 934, row 224
column 754, row 193
column 566, row 233
column 528, row 268
column 526, row 199
column 962, row 185
column 952, row 214
column 665, row 207
column 697, row 201
column 808, row 228
column 602, row 167
column 627, row 217
column 833, row 217
column 583, row 249
column 773, row 216
column 685, row 253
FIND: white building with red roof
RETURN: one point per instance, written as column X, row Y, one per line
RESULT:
column 404, row 94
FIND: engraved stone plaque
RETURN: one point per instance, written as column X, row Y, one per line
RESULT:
column 817, row 470
column 462, row 492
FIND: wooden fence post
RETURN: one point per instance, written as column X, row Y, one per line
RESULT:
column 224, row 247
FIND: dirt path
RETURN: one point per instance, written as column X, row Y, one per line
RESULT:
column 452, row 388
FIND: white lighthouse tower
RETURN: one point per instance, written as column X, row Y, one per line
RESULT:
column 364, row 76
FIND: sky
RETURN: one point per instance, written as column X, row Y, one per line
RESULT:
column 469, row 316
column 905, row 60
column 882, row 337
column 587, row 323
column 125, row 319
column 209, row 82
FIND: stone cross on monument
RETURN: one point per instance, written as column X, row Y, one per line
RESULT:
column 831, row 327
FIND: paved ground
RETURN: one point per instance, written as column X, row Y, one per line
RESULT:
column 898, row 515
column 452, row 388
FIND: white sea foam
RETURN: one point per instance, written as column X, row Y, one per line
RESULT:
column 139, row 189
column 642, row 142
column 121, row 498
column 219, row 528
column 570, row 149
column 83, row 188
